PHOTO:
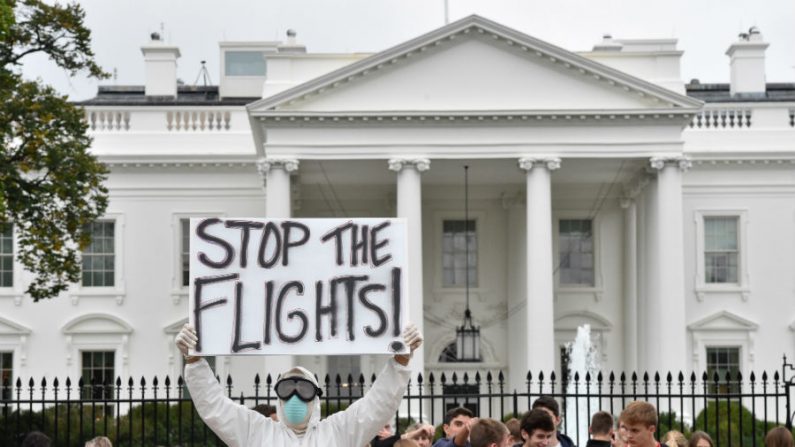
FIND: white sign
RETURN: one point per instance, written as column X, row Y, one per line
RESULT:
column 298, row 286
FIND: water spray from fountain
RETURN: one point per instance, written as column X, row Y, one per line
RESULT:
column 583, row 359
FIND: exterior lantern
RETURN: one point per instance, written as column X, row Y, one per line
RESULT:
column 467, row 336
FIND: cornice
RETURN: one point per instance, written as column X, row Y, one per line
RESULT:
column 189, row 161
column 476, row 25
column 287, row 118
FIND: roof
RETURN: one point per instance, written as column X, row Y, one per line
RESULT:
column 712, row 93
column 133, row 95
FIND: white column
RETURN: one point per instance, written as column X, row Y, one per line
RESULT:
column 275, row 174
column 539, row 310
column 630, row 285
column 409, row 207
column 666, row 328
column 517, row 292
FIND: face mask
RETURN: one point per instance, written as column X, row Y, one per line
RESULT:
column 295, row 410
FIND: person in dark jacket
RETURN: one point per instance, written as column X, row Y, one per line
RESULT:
column 550, row 405
column 601, row 430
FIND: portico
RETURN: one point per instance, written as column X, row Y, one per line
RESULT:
column 548, row 135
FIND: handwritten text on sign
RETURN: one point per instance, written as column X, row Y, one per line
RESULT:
column 298, row 286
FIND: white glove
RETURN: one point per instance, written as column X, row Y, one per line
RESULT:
column 186, row 339
column 412, row 337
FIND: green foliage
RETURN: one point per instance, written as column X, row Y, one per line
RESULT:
column 670, row 421
column 138, row 426
column 716, row 421
column 50, row 185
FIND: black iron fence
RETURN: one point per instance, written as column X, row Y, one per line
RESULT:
column 735, row 410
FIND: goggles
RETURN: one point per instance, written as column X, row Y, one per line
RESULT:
column 306, row 390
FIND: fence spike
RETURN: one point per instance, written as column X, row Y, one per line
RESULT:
column 180, row 381
column 775, row 376
column 599, row 377
column 228, row 380
column 657, row 377
column 361, row 380
column 455, row 378
column 529, row 376
column 634, row 376
column 488, row 377
column 80, row 383
column 118, row 381
column 350, row 379
column 43, row 382
column 419, row 378
column 466, row 378
column 130, row 382
column 54, row 383
column 753, row 377
column 541, row 376
column 68, row 382
column 646, row 376
column 477, row 376
column 268, row 380
column 338, row 380
column 501, row 377
column 739, row 376
column 764, row 376
column 31, row 383
column 431, row 379
column 154, row 381
column 143, row 381
column 256, row 379
column 669, row 378
column 587, row 376
column 576, row 376
column 372, row 378
column 612, row 377
column 168, row 381
column 715, row 377
column 443, row 379
column 681, row 377
column 327, row 380
column 728, row 376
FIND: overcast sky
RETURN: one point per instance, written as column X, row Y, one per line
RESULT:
column 705, row 29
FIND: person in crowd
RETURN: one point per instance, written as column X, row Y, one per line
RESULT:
column 550, row 405
column 456, row 426
column 675, row 438
column 406, row 443
column 299, row 404
column 601, row 430
column 36, row 439
column 779, row 437
column 538, row 429
column 700, row 439
column 489, row 433
column 639, row 420
column 619, row 436
column 515, row 428
column 420, row 433
column 99, row 441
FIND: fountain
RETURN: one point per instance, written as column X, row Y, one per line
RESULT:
column 582, row 360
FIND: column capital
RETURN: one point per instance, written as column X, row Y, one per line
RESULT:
column 265, row 164
column 528, row 163
column 420, row 164
column 682, row 162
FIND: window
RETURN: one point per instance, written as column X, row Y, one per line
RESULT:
column 184, row 251
column 6, row 375
column 455, row 240
column 576, row 253
column 244, row 63
column 97, row 371
column 6, row 255
column 721, row 250
column 723, row 360
column 99, row 258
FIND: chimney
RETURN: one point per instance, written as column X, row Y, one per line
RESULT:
column 747, row 61
column 291, row 45
column 160, row 61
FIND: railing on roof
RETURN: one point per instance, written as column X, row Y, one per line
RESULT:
column 723, row 118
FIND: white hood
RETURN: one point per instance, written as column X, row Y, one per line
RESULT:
column 313, row 415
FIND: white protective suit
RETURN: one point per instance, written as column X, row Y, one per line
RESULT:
column 238, row 426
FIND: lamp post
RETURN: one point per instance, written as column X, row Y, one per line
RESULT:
column 467, row 335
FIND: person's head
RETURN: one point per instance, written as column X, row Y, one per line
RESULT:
column 515, row 428
column 538, row 428
column 550, row 405
column 99, row 441
column 423, row 439
column 639, row 420
column 489, row 433
column 455, row 420
column 36, row 439
column 778, row 437
column 269, row 411
column 299, row 399
column 700, row 439
column 601, row 427
column 675, row 438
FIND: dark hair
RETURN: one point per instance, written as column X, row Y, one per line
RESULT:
column 36, row 439
column 514, row 427
column 487, row 431
column 601, row 423
column 696, row 435
column 455, row 412
column 537, row 419
column 549, row 403
column 778, row 437
column 265, row 410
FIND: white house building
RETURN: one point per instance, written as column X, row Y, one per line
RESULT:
column 604, row 190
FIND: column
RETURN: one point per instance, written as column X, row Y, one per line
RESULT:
column 275, row 174
column 409, row 207
column 541, row 347
column 630, row 316
column 666, row 326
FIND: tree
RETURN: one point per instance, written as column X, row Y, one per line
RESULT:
column 51, row 187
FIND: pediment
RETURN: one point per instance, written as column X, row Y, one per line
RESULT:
column 573, row 320
column 723, row 321
column 474, row 64
column 8, row 327
column 175, row 327
column 97, row 323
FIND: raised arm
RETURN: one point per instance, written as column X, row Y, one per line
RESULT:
column 362, row 420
